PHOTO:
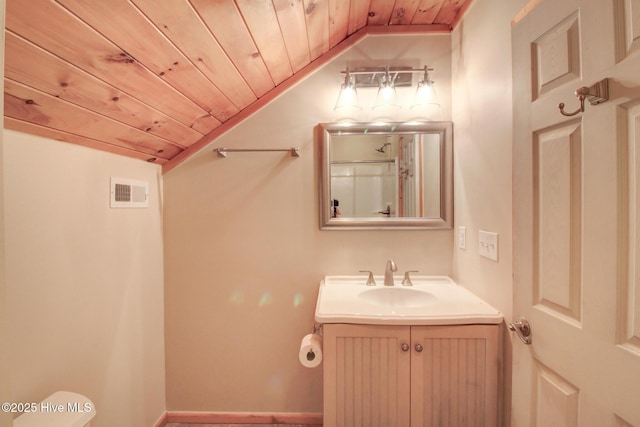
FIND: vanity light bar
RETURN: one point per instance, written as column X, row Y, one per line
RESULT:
column 370, row 76
column 222, row 152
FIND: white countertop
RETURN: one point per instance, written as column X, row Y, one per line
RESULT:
column 432, row 300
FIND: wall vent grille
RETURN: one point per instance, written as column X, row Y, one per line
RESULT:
column 127, row 193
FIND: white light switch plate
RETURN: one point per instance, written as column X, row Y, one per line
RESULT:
column 462, row 237
column 488, row 244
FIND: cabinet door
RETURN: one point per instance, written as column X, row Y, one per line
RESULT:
column 454, row 376
column 366, row 375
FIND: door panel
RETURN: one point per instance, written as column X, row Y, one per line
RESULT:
column 556, row 400
column 629, row 334
column 576, row 215
column 557, row 232
column 556, row 56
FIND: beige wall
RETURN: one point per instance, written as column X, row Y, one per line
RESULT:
column 244, row 254
column 5, row 391
column 84, row 283
column 482, row 113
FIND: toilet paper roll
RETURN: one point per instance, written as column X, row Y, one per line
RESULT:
column 311, row 350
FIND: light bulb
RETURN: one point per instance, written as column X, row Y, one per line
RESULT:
column 387, row 96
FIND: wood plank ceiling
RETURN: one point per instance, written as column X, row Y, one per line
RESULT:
column 150, row 78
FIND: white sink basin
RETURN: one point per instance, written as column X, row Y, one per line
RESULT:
column 391, row 296
column 432, row 300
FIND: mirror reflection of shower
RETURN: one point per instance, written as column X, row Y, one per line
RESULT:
column 364, row 175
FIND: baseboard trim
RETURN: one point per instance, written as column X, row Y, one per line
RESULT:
column 242, row 418
column 161, row 421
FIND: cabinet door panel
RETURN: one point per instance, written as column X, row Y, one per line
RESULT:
column 366, row 376
column 454, row 376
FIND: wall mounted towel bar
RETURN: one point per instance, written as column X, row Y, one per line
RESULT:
column 222, row 152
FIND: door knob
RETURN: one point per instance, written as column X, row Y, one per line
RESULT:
column 522, row 329
column 418, row 348
column 405, row 347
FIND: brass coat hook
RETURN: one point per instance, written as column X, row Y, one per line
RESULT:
column 596, row 94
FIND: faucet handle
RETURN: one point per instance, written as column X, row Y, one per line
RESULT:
column 406, row 281
column 370, row 280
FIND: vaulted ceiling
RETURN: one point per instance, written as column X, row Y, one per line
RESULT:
column 157, row 79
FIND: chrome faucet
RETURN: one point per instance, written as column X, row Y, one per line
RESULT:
column 388, row 273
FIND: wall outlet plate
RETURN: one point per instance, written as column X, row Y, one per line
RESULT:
column 488, row 244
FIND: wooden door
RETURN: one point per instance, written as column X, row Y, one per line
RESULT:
column 366, row 375
column 454, row 376
column 576, row 199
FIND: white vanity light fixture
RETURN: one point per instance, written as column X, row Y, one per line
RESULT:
column 425, row 100
column 425, row 93
column 386, row 79
column 387, row 96
column 348, row 96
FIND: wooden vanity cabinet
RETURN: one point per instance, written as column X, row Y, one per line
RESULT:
column 386, row 376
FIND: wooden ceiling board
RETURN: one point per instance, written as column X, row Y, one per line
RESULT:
column 160, row 79
column 261, row 17
column 123, row 24
column 182, row 25
column 403, row 12
column 37, row 68
column 449, row 11
column 380, row 12
column 226, row 24
column 427, row 11
column 317, row 21
column 294, row 32
column 27, row 104
column 338, row 21
column 358, row 14
column 67, row 37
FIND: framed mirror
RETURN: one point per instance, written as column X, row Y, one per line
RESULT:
column 390, row 175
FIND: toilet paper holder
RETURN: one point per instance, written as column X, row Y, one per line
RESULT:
column 317, row 328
